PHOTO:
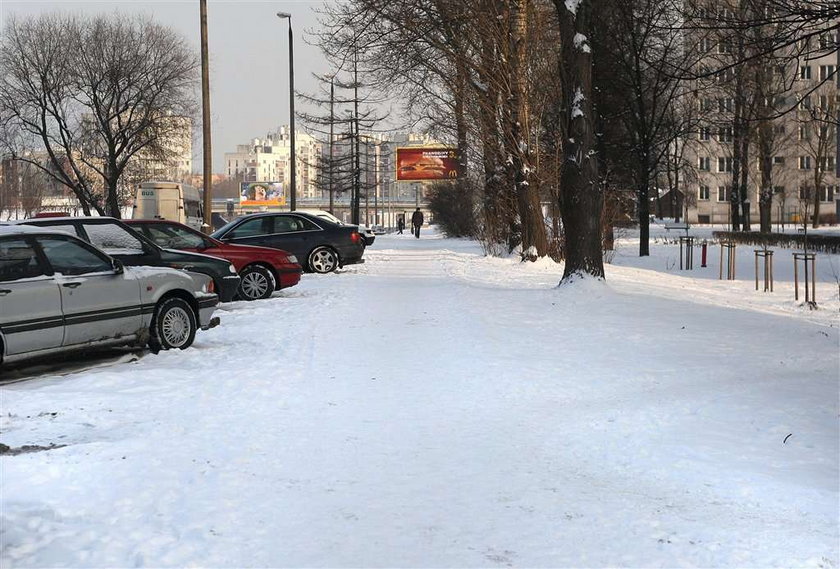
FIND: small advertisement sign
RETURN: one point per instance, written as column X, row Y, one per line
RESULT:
column 261, row 194
column 417, row 163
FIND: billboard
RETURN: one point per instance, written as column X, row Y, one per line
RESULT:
column 262, row 194
column 417, row 163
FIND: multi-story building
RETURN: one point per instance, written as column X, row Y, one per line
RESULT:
column 799, row 140
column 171, row 159
column 268, row 160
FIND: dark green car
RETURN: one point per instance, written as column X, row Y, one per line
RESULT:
column 133, row 249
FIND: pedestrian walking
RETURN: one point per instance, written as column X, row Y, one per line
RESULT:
column 416, row 222
column 400, row 224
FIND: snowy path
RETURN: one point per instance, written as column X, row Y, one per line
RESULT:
column 434, row 408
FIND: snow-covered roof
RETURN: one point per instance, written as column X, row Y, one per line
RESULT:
column 15, row 229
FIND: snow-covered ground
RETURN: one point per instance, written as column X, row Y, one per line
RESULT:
column 437, row 408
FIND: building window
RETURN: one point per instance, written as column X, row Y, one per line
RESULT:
column 779, row 129
column 721, row 194
column 779, row 160
column 826, row 71
column 725, row 105
column 804, row 72
column 804, row 192
column 725, row 164
column 826, row 163
column 804, row 162
column 705, row 133
column 803, row 132
column 724, row 47
column 725, row 134
column 805, row 103
column 704, row 163
column 826, row 193
column 779, row 191
column 703, row 193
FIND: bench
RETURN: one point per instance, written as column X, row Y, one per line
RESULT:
column 683, row 226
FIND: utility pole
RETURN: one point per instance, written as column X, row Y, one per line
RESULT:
column 367, row 181
column 207, row 226
column 332, row 137
column 376, row 153
column 293, row 157
column 356, row 185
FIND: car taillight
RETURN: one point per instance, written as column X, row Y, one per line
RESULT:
column 211, row 287
column 355, row 237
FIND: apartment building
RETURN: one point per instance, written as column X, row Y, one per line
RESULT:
column 799, row 143
column 268, row 160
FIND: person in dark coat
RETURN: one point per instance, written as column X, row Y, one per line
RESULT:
column 416, row 222
column 400, row 224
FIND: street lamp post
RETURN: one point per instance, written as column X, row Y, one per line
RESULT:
column 293, row 157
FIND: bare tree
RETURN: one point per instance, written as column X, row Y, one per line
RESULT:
column 818, row 129
column 637, row 44
column 93, row 95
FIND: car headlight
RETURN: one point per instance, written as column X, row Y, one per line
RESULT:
column 232, row 269
column 292, row 259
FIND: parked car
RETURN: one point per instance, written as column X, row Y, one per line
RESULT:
column 123, row 243
column 322, row 246
column 59, row 293
column 263, row 270
column 367, row 233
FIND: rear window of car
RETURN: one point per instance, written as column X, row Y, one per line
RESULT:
column 292, row 223
column 67, row 228
column 113, row 239
column 18, row 260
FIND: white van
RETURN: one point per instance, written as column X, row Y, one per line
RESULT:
column 169, row 200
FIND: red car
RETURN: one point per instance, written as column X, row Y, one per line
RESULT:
column 262, row 270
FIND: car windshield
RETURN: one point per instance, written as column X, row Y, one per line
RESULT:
column 114, row 239
column 174, row 237
column 225, row 228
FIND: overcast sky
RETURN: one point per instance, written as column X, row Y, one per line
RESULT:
column 249, row 58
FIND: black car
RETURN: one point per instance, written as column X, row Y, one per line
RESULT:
column 320, row 245
column 133, row 249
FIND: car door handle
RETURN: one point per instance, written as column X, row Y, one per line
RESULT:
column 4, row 291
column 71, row 285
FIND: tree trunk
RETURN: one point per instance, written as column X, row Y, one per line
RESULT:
column 461, row 119
column 742, row 186
column 580, row 192
column 818, row 179
column 534, row 240
column 643, row 193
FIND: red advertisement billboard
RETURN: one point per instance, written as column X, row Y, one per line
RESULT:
column 416, row 163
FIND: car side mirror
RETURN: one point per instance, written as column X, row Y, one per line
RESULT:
column 118, row 267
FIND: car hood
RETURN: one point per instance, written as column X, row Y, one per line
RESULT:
column 178, row 255
column 257, row 249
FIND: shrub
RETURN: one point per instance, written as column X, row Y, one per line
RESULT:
column 453, row 207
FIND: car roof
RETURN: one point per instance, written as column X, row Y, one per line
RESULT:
column 138, row 221
column 267, row 213
column 28, row 229
column 56, row 220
